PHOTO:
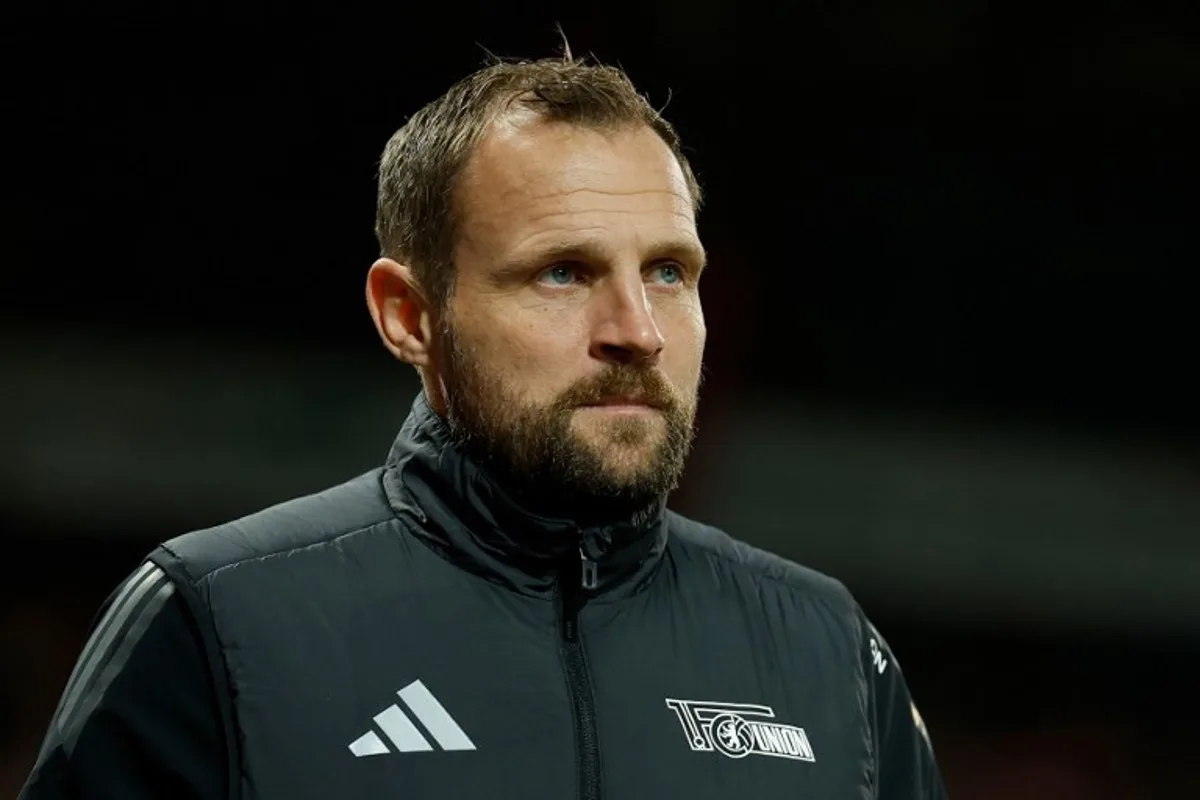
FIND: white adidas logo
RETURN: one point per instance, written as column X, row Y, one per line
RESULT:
column 404, row 735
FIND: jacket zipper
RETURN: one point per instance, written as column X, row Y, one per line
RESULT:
column 571, row 587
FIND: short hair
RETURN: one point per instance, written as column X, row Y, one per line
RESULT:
column 416, row 218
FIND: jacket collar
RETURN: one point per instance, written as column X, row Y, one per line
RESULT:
column 465, row 514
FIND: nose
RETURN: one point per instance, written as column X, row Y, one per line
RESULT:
column 626, row 332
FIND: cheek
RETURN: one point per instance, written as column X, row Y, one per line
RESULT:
column 687, row 327
column 700, row 326
column 684, row 354
column 534, row 352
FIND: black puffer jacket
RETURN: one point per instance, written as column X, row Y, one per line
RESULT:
column 416, row 634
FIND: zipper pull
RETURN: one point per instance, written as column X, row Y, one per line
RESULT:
column 590, row 573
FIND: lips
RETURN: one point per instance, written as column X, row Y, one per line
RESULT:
column 622, row 400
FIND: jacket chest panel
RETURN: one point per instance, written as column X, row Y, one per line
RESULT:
column 452, row 691
column 711, row 702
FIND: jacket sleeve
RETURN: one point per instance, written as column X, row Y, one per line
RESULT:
column 906, row 766
column 138, row 717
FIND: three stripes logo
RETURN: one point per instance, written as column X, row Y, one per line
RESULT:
column 403, row 733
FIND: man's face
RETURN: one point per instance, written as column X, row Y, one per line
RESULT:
column 572, row 343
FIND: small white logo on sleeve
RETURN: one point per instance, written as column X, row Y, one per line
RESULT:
column 403, row 733
column 877, row 656
column 737, row 730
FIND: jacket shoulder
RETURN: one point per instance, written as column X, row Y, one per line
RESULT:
column 292, row 525
column 717, row 546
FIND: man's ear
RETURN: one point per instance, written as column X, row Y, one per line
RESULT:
column 401, row 312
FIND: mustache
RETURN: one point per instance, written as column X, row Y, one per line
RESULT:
column 642, row 384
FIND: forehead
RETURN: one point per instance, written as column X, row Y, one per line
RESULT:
column 528, row 177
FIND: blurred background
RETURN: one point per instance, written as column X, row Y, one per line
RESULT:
column 952, row 349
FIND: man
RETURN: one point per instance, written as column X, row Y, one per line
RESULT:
column 505, row 608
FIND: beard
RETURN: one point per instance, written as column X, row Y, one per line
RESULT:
column 533, row 449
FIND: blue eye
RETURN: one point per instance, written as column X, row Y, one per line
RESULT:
column 669, row 273
column 560, row 275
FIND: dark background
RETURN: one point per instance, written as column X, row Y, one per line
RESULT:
column 952, row 330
